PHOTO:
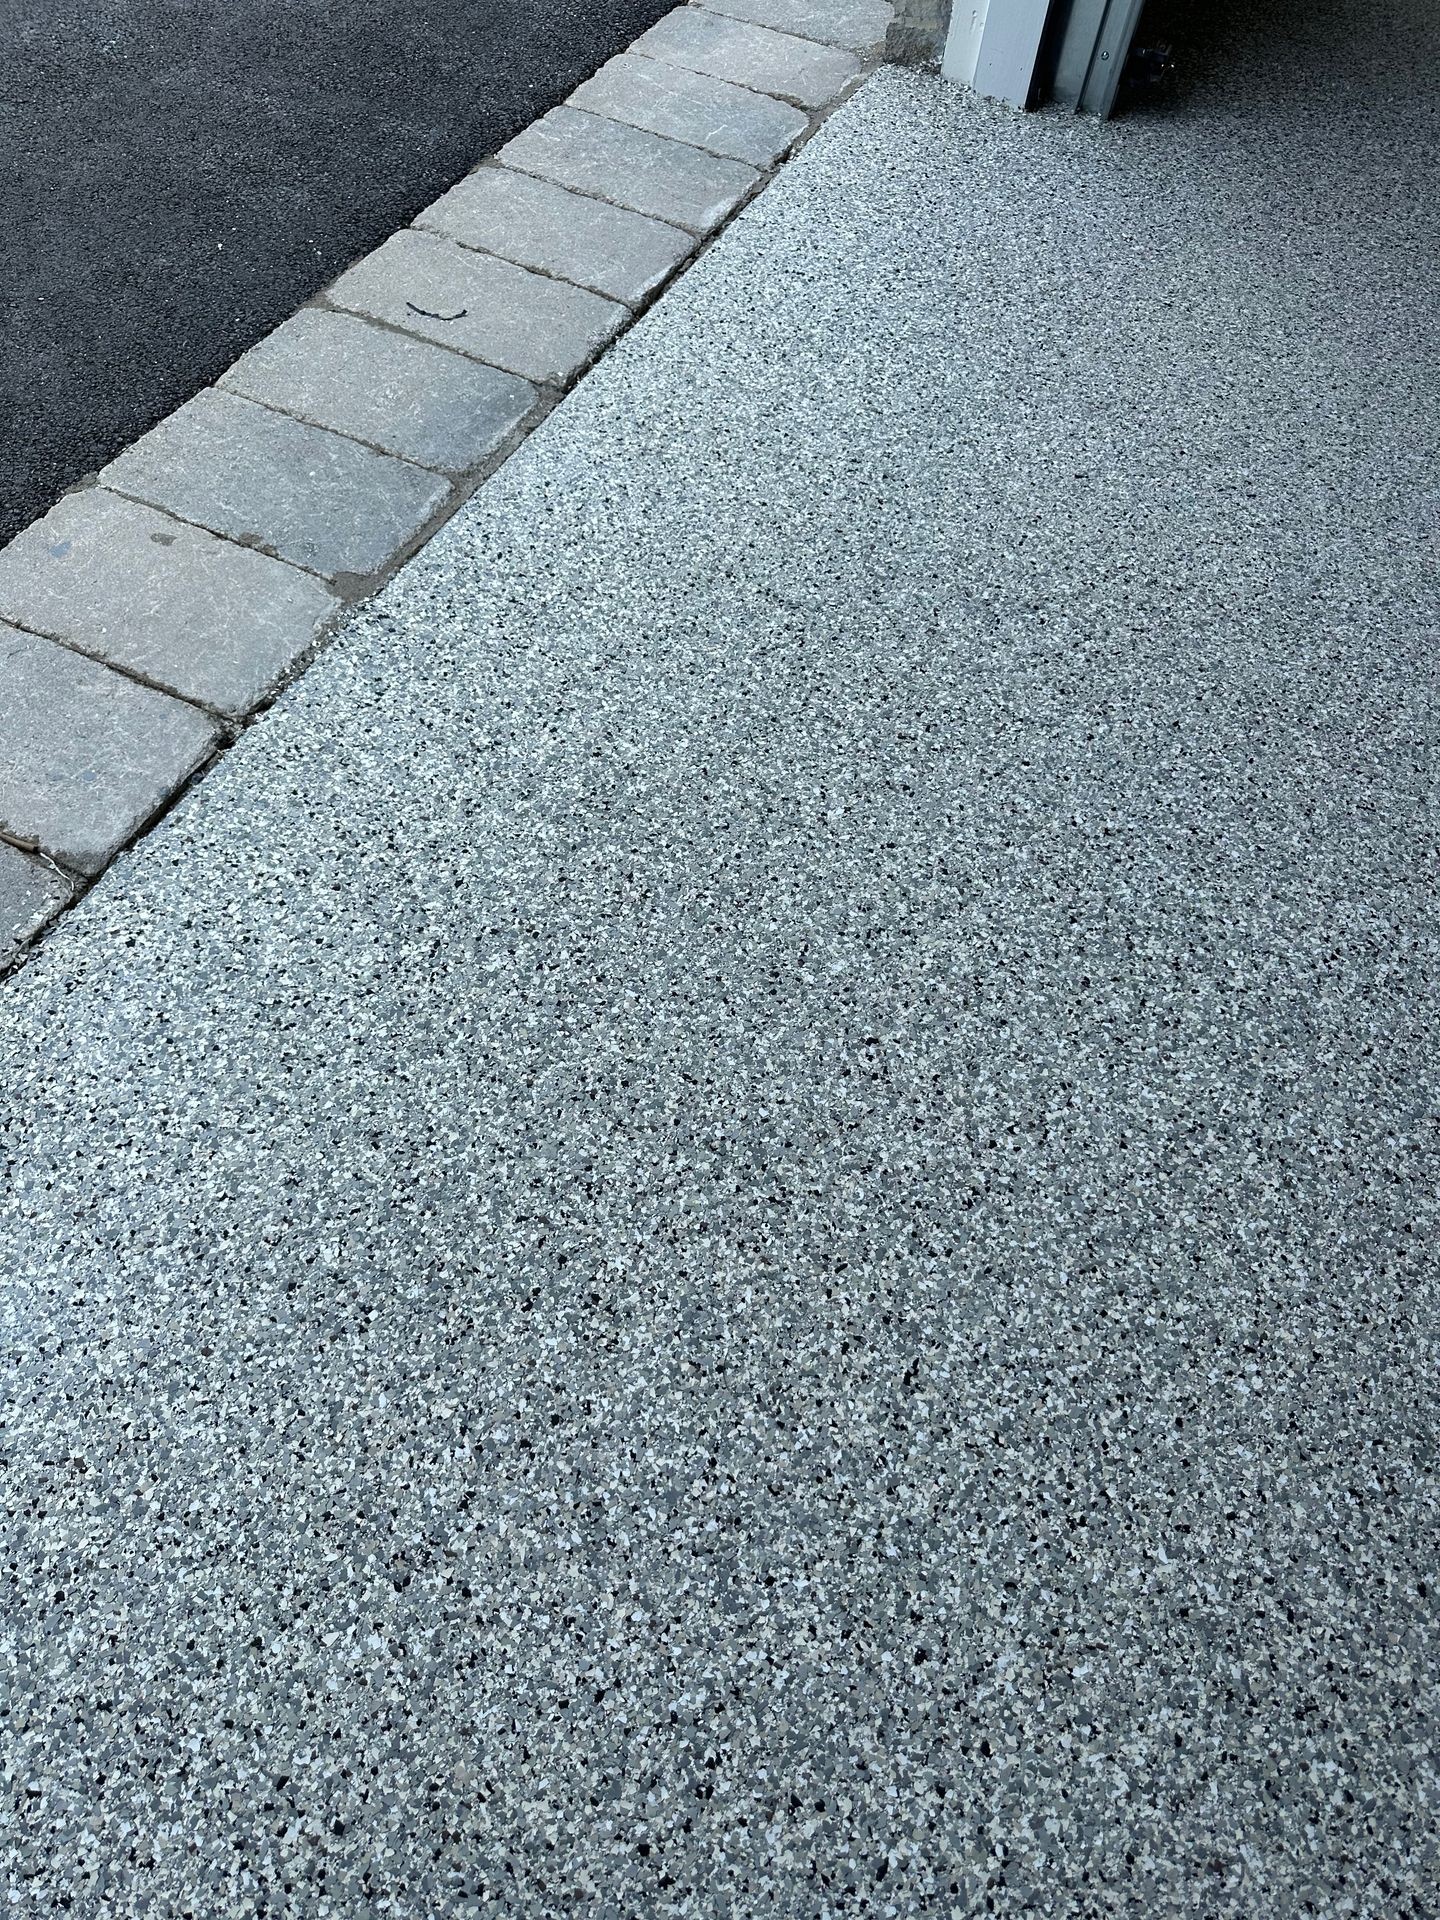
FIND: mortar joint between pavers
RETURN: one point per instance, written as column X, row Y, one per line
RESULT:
column 589, row 193
column 371, row 446
column 322, row 303
column 674, row 66
column 121, row 667
column 526, row 266
column 790, row 33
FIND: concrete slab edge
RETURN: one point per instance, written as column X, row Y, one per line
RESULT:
column 552, row 253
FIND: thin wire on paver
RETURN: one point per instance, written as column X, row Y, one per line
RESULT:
column 351, row 590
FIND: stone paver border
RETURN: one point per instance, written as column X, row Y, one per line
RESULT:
column 154, row 613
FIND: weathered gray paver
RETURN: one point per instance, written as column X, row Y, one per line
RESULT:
column 859, row 24
column 801, row 71
column 30, row 894
column 400, row 394
column 631, row 167
column 86, row 755
column 196, row 614
column 572, row 235
column 693, row 107
column 478, row 305
column 256, row 475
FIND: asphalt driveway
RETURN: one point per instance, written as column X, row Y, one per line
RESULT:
column 177, row 179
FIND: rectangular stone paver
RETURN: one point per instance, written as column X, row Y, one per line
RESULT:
column 481, row 306
column 693, row 107
column 196, row 614
column 801, row 71
column 258, row 476
column 30, row 894
column 86, row 756
column 398, row 393
column 631, row 167
column 538, row 224
column 859, row 24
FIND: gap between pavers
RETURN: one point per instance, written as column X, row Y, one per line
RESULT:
column 146, row 617
column 800, row 71
column 32, row 892
column 693, row 108
column 542, row 329
column 645, row 172
column 90, row 754
column 385, row 388
column 309, row 496
column 211, row 621
column 623, row 255
column 859, row 25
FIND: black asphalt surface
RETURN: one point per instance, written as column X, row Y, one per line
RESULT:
column 176, row 176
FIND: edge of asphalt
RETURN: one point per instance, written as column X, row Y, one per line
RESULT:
column 612, row 196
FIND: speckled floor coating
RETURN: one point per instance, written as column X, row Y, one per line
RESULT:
column 743, row 1221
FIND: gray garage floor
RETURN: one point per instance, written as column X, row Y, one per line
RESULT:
column 743, row 1221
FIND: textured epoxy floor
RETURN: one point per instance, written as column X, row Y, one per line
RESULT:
column 743, row 1222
